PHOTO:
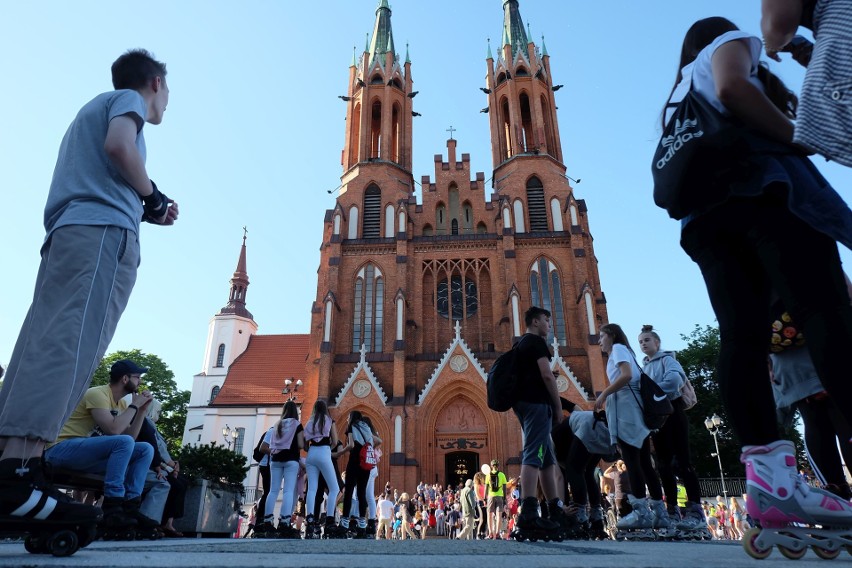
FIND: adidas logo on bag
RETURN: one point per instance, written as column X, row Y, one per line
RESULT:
column 676, row 141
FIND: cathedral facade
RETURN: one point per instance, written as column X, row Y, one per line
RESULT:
column 416, row 299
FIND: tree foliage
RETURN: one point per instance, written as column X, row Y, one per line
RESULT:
column 160, row 380
column 699, row 362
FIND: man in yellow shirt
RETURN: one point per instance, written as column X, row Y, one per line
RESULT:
column 100, row 437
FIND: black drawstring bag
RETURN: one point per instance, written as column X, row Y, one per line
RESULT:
column 701, row 154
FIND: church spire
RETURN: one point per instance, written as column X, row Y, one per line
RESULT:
column 239, row 284
column 514, row 27
column 382, row 41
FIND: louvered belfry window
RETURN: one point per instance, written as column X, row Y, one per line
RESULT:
column 536, row 207
column 372, row 213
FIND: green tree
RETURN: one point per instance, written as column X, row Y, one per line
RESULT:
column 699, row 359
column 160, row 380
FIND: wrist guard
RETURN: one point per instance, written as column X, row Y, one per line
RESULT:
column 155, row 205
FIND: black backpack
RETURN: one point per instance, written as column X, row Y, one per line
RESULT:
column 656, row 406
column 502, row 382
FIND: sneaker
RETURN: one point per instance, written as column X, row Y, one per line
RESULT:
column 26, row 496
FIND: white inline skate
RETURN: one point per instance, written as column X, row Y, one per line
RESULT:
column 639, row 524
column 793, row 515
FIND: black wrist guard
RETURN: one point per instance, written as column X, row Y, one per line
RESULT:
column 155, row 205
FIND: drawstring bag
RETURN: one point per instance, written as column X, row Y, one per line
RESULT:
column 701, row 153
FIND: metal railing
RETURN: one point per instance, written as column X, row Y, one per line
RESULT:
column 712, row 486
column 251, row 496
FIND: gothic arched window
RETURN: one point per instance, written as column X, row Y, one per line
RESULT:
column 214, row 392
column 368, row 309
column 546, row 291
column 220, row 356
column 456, row 299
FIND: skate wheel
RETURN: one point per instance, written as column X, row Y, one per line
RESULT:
column 34, row 545
column 85, row 536
column 825, row 553
column 792, row 553
column 751, row 548
column 63, row 543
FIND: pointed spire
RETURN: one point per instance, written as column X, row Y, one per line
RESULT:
column 382, row 41
column 543, row 47
column 367, row 42
column 489, row 56
column 407, row 59
column 505, row 41
column 239, row 284
column 354, row 59
column 514, row 27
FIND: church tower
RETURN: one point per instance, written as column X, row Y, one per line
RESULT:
column 415, row 301
column 227, row 337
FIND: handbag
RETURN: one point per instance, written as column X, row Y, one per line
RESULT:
column 701, row 153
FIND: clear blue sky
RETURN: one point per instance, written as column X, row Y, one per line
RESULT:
column 254, row 130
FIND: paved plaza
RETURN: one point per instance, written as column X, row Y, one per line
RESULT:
column 437, row 552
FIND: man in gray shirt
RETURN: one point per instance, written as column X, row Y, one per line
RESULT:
column 99, row 194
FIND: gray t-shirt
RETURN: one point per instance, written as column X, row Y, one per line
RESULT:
column 86, row 188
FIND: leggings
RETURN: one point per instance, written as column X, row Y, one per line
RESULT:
column 640, row 470
column 356, row 478
column 580, row 473
column 264, row 480
column 319, row 463
column 823, row 424
column 672, row 445
column 748, row 248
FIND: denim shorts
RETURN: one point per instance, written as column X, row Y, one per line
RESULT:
column 536, row 423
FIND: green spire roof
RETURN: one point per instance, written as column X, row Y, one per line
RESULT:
column 489, row 50
column 513, row 27
column 543, row 47
column 407, row 59
column 382, row 41
column 354, row 60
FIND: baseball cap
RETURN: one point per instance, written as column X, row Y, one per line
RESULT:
column 126, row 367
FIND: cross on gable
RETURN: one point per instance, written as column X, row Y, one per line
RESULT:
column 458, row 329
column 363, row 353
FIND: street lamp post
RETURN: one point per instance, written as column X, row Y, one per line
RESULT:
column 712, row 424
column 227, row 433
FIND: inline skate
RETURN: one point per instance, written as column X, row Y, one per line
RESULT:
column 311, row 528
column 530, row 526
column 661, row 521
column 792, row 515
column 47, row 519
column 333, row 530
column 693, row 525
column 597, row 526
column 638, row 524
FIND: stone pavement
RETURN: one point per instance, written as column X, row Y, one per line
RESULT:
column 437, row 552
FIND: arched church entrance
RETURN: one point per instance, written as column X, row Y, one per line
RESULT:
column 459, row 467
column 461, row 441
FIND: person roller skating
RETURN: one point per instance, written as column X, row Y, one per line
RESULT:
column 730, row 230
column 537, row 406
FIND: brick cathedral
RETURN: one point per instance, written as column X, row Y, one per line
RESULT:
column 415, row 300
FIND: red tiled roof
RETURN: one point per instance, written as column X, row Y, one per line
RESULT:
column 256, row 377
